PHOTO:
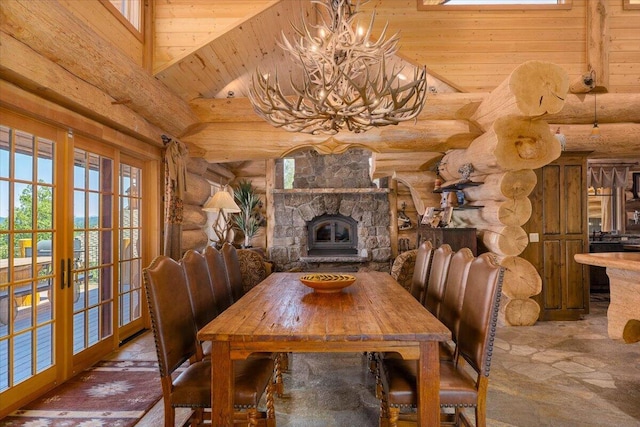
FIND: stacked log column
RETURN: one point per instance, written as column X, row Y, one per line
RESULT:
column 516, row 140
column 194, row 218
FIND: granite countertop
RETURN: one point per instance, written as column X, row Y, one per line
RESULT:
column 622, row 260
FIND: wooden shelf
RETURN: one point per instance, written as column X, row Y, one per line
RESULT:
column 457, row 186
column 460, row 208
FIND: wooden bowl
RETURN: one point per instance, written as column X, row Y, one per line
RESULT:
column 327, row 283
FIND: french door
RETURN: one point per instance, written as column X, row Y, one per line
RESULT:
column 70, row 254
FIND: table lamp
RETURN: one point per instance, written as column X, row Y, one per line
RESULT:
column 222, row 202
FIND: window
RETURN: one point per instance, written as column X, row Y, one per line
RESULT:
column 631, row 4
column 493, row 4
column 130, row 10
column 289, row 166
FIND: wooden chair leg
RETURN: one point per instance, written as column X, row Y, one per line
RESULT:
column 196, row 417
column 373, row 363
column 271, row 413
column 284, row 362
column 481, row 416
column 278, row 374
column 384, row 415
column 169, row 413
column 252, row 417
column 379, row 389
column 394, row 415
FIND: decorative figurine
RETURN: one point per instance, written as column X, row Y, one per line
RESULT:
column 466, row 170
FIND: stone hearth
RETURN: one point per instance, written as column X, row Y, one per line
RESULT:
column 294, row 208
column 331, row 185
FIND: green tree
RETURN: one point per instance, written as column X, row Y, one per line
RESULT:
column 23, row 217
column 248, row 220
column 289, row 165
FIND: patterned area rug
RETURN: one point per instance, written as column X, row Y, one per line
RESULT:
column 112, row 393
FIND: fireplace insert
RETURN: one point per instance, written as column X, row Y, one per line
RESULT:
column 332, row 235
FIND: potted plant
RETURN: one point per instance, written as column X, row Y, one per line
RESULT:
column 249, row 219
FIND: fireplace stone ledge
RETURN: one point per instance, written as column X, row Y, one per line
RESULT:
column 329, row 259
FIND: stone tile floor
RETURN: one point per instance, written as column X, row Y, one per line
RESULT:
column 550, row 374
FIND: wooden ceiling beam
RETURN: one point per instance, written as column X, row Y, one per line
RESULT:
column 598, row 36
column 612, row 108
column 615, row 140
column 55, row 33
column 420, row 185
column 24, row 102
column 39, row 75
column 441, row 106
column 387, row 164
column 229, row 142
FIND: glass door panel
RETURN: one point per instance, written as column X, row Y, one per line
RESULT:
column 27, row 237
column 130, row 260
column 93, row 263
column 76, row 245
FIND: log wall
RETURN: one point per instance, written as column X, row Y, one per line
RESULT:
column 102, row 21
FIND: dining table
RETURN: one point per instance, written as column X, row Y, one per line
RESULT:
column 623, row 269
column 281, row 314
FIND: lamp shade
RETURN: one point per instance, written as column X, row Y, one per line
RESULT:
column 221, row 201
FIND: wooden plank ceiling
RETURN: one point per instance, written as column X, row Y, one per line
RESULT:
column 207, row 51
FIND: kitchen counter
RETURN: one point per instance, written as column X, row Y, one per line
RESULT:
column 623, row 269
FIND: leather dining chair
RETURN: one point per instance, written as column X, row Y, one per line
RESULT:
column 175, row 338
column 222, row 294
column 203, row 302
column 451, row 306
column 174, row 327
column 421, row 270
column 437, row 278
column 458, row 388
column 417, row 289
column 219, row 280
column 234, row 273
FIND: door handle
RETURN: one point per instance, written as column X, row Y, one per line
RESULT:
column 62, row 274
column 68, row 272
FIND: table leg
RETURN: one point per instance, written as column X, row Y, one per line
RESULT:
column 221, row 384
column 625, row 300
column 429, row 385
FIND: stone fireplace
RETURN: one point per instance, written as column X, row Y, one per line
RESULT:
column 332, row 235
column 334, row 218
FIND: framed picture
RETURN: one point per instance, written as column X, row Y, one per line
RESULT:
column 428, row 215
column 447, row 214
column 636, row 185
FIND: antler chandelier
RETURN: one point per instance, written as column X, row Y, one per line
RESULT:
column 345, row 83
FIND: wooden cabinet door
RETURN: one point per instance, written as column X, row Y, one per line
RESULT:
column 457, row 238
column 560, row 198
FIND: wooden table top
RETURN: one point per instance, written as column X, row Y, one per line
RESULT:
column 374, row 308
column 622, row 260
